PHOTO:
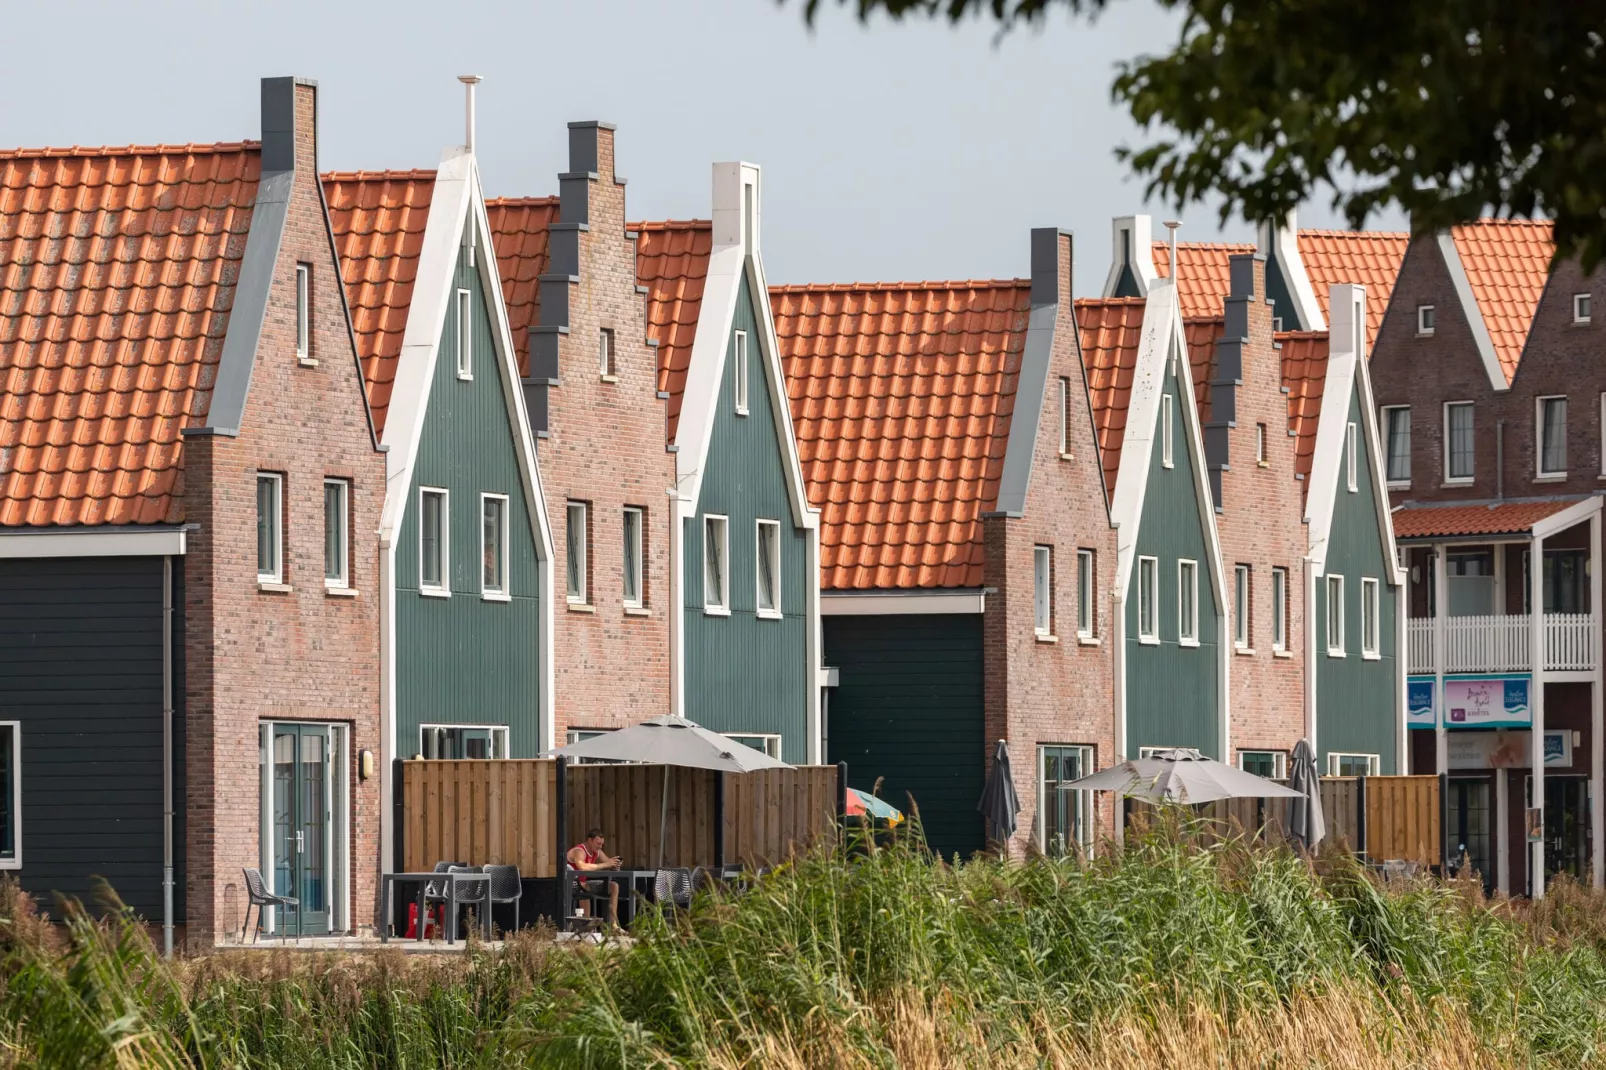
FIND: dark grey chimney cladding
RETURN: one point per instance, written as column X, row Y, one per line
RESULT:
column 1228, row 371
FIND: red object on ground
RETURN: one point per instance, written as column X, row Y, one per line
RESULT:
column 435, row 919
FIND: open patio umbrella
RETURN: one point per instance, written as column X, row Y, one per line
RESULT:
column 863, row 804
column 1181, row 776
column 672, row 741
column 999, row 803
column 1306, row 823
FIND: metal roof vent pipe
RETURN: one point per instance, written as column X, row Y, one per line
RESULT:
column 469, row 82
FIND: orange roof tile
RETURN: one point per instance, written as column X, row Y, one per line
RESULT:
column 1369, row 258
column 117, row 274
column 672, row 262
column 1111, row 330
column 519, row 233
column 378, row 219
column 1304, row 356
column 1201, row 336
column 1205, row 280
column 901, row 398
column 1507, row 262
column 1502, row 518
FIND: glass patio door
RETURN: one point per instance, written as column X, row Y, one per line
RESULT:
column 1470, row 828
column 301, row 810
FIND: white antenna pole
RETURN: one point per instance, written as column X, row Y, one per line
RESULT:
column 469, row 82
column 1173, row 225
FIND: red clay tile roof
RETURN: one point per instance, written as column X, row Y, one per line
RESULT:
column 1111, row 330
column 519, row 233
column 672, row 262
column 1205, row 281
column 1369, row 258
column 1505, row 518
column 1201, row 336
column 1304, row 356
column 1507, row 262
column 378, row 219
column 901, row 400
column 117, row 274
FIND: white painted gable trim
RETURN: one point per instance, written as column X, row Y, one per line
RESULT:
column 1138, row 254
column 1470, row 309
column 1282, row 241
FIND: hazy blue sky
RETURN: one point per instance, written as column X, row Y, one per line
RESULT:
column 890, row 152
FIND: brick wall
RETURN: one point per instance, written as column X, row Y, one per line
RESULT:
column 301, row 654
column 607, row 448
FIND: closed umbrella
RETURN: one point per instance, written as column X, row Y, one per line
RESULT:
column 1306, row 823
column 1183, row 776
column 999, row 803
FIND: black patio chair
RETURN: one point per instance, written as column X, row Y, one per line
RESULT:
column 506, row 887
column 258, row 896
column 472, row 894
column 672, row 886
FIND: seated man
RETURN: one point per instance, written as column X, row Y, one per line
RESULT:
column 587, row 855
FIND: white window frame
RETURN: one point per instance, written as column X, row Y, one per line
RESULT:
column 497, row 731
column 465, row 335
column 1389, row 413
column 1065, row 419
column 504, row 593
column 607, row 365
column 721, row 607
column 274, row 574
column 1426, row 320
column 1087, row 621
column 1540, row 442
column 1279, row 609
column 1085, row 818
column 1448, row 444
column 14, row 861
column 304, row 313
column 1043, row 590
column 1349, row 456
column 1149, row 579
column 739, row 372
column 774, row 612
column 772, row 741
column 1187, row 623
column 1167, row 435
column 343, row 580
column 1279, row 761
column 581, row 561
column 1371, row 623
column 1335, row 615
column 1145, row 753
column 1260, row 446
column 1581, row 308
column 444, row 588
column 1374, row 762
column 1242, row 613
column 580, row 735
column 639, row 572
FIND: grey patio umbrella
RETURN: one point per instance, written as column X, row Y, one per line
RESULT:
column 671, row 741
column 1306, row 824
column 999, row 803
column 1182, row 775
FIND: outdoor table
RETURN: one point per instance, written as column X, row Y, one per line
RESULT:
column 387, row 885
column 626, row 877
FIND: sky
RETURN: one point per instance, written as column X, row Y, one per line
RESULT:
column 891, row 152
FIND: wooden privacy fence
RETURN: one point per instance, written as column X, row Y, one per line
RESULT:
column 505, row 811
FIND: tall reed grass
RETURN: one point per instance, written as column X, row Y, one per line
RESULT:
column 1160, row 955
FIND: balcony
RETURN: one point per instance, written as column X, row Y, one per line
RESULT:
column 1501, row 643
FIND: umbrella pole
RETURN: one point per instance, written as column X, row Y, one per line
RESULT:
column 663, row 817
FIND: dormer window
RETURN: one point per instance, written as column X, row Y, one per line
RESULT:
column 1424, row 320
column 1580, row 308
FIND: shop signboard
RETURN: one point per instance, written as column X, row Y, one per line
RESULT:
column 1495, row 700
column 1501, row 749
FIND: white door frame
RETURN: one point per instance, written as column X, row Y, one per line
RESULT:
column 337, row 844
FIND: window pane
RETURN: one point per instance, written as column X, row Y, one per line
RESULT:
column 1553, row 451
column 1066, row 813
column 267, row 526
column 465, row 337
column 1335, row 613
column 1399, row 432
column 1369, row 616
column 334, row 532
column 1185, row 628
column 1084, row 592
column 1241, row 605
column 714, row 561
column 303, row 274
column 739, row 373
column 1349, row 456
column 1146, row 607
column 1165, row 429
column 632, row 557
column 8, row 780
column 1460, row 442
column 430, row 539
column 1279, row 608
column 767, row 547
column 575, row 552
column 492, row 537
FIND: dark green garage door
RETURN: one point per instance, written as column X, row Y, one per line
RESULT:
column 908, row 708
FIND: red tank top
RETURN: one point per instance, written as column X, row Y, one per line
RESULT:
column 591, row 856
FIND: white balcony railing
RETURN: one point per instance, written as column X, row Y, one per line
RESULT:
column 1501, row 644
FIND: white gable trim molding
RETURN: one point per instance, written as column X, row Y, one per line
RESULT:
column 1131, row 246
column 1474, row 315
column 1280, row 242
column 111, row 540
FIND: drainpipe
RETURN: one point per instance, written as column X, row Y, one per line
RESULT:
column 1500, row 459
column 167, row 756
column 677, row 624
column 1118, row 694
column 1597, row 745
column 1536, row 705
column 1441, row 599
column 1310, row 657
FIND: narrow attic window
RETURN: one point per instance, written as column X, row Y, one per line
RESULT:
column 1042, row 590
column 1349, row 457
column 1424, row 320
column 769, row 568
column 605, row 356
column 1065, row 419
column 716, row 564
column 1260, row 446
column 1580, row 308
column 1279, row 609
column 303, row 313
column 465, row 337
column 1167, row 457
column 739, row 371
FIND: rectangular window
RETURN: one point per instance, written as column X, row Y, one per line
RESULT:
column 1065, row 417
column 605, row 359
column 1042, row 590
column 716, row 564
column 634, row 525
column 493, row 545
column 1279, row 609
column 1167, row 456
column 1349, row 457
column 1353, row 764
column 1580, row 308
column 1369, row 608
column 1397, row 426
column 456, row 742
column 1551, row 421
column 1065, row 815
column 767, row 743
column 1335, row 616
column 303, row 311
column 1086, row 622
column 465, row 337
column 739, row 372
column 1149, row 599
column 433, row 534
column 1188, row 602
column 577, row 545
column 1424, row 319
column 1240, row 607
column 270, row 527
column 1260, row 444
column 769, row 568
column 1271, row 764
column 1458, row 441
column 336, row 525
column 10, row 794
